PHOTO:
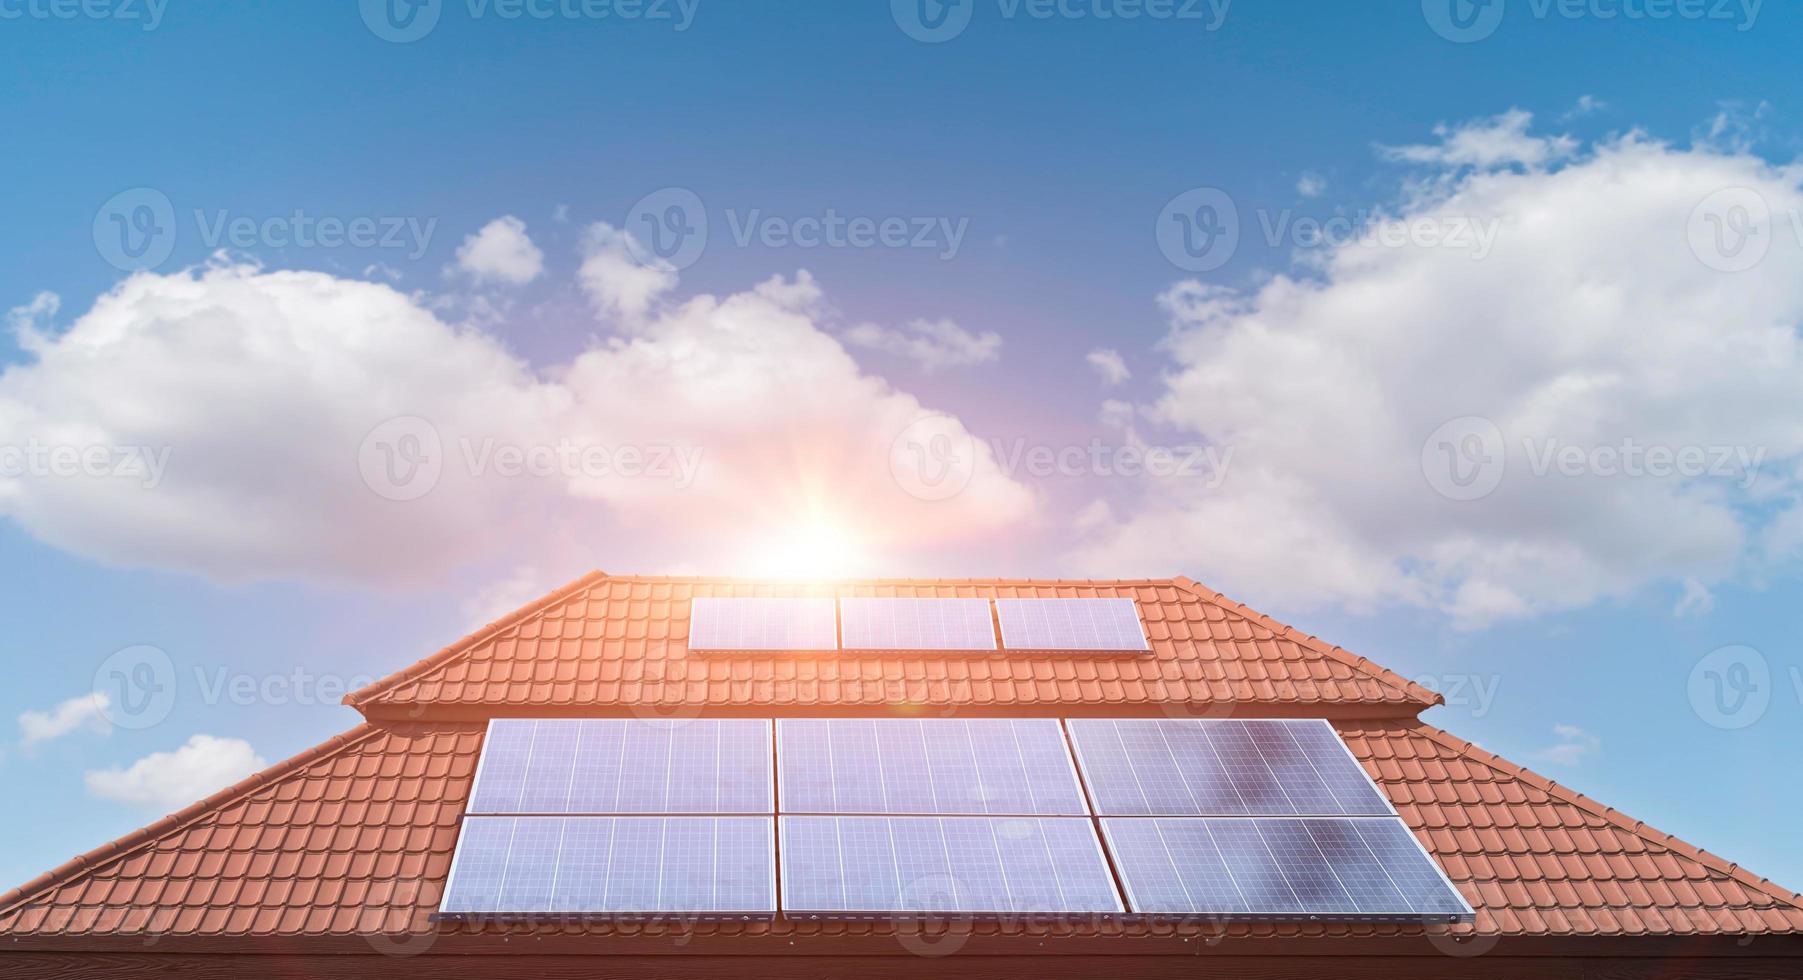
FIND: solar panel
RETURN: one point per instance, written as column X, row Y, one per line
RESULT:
column 1279, row 867
column 926, row 766
column 1095, row 625
column 740, row 624
column 972, row 865
column 1221, row 767
column 916, row 624
column 623, row 765
column 613, row 865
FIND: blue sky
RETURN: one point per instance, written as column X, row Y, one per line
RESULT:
column 1036, row 165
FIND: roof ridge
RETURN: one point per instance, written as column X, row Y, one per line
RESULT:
column 894, row 580
column 180, row 819
column 1635, row 826
column 1427, row 696
column 369, row 692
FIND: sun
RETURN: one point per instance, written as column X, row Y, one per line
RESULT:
column 815, row 549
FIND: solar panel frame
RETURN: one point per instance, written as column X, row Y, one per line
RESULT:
column 916, row 895
column 504, row 732
column 457, row 904
column 1067, row 799
column 1027, row 625
column 1396, row 850
column 1334, row 771
column 724, row 624
column 918, row 624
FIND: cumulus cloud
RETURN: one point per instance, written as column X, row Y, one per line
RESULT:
column 85, row 712
column 1311, row 185
column 933, row 344
column 249, row 424
column 172, row 780
column 1616, row 388
column 621, row 280
column 1109, row 365
column 1486, row 144
column 501, row 252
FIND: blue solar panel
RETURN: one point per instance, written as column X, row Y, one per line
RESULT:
column 926, row 766
column 613, row 865
column 971, row 865
column 620, row 765
column 1279, row 867
column 758, row 623
column 916, row 624
column 1221, row 767
column 1093, row 625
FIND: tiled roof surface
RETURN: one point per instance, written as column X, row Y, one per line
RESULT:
column 611, row 643
column 355, row 839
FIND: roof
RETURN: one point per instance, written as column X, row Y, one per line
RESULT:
column 351, row 842
column 606, row 644
column 354, row 839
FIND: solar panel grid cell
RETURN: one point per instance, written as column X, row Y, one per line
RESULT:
column 613, row 865
column 916, row 624
column 936, row 766
column 623, row 766
column 733, row 623
column 848, row 865
column 1094, row 625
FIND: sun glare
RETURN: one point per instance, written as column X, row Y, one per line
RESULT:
column 816, row 549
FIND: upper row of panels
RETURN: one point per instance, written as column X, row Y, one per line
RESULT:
column 739, row 624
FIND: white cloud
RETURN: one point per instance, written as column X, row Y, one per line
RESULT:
column 1109, row 364
column 501, row 252
column 1697, row 600
column 1586, row 105
column 1311, row 185
column 618, row 283
column 933, row 344
column 1486, row 144
column 1590, row 327
column 172, row 780
column 1574, row 746
column 87, row 711
column 724, row 423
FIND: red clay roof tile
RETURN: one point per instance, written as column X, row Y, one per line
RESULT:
column 376, row 868
column 633, row 655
